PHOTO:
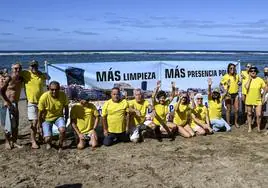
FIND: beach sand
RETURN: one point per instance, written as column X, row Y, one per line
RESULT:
column 236, row 159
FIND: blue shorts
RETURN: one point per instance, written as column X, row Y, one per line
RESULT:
column 47, row 126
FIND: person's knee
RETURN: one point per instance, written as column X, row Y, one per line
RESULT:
column 135, row 140
column 249, row 113
column 187, row 135
column 202, row 132
column 107, row 141
column 81, row 144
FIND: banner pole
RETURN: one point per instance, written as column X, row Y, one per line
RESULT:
column 46, row 71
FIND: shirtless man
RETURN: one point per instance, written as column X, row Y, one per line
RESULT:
column 5, row 104
column 14, row 84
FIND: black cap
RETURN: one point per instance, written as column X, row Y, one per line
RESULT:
column 253, row 68
column 33, row 63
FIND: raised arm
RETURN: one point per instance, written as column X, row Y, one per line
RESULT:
column 209, row 87
column 173, row 88
column 158, row 85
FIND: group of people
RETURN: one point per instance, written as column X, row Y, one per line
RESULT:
column 126, row 120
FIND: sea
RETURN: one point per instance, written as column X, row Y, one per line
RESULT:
column 7, row 58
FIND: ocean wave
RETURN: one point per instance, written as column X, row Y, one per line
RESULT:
column 132, row 52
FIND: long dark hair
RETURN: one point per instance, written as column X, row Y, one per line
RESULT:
column 228, row 67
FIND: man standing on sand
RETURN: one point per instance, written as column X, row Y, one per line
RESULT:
column 5, row 109
column 14, row 84
column 34, row 81
column 115, row 119
column 51, row 105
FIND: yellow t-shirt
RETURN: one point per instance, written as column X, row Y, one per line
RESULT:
column 34, row 84
column 254, row 93
column 84, row 116
column 161, row 111
column 200, row 112
column 244, row 81
column 234, row 80
column 116, row 115
column 142, row 107
column 53, row 106
column 215, row 108
column 182, row 114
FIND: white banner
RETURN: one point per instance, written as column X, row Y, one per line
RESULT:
column 141, row 74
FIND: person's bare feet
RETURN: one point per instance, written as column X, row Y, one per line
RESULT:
column 48, row 146
column 237, row 125
column 249, row 130
column 8, row 146
column 18, row 146
column 35, row 146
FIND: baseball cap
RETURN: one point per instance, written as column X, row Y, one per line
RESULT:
column 265, row 69
column 253, row 68
column 33, row 63
column 216, row 90
column 248, row 65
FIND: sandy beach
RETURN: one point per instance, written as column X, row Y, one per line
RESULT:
column 236, row 159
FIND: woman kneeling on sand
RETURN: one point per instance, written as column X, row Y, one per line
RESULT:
column 215, row 109
column 160, row 110
column 200, row 120
column 254, row 87
column 182, row 116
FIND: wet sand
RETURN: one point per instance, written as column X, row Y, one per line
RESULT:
column 236, row 159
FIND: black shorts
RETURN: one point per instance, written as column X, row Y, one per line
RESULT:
column 233, row 96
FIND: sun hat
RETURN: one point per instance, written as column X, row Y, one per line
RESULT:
column 198, row 96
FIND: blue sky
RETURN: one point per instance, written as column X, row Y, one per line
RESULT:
column 133, row 24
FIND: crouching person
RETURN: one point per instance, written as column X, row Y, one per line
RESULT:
column 138, row 109
column 51, row 106
column 84, row 120
column 115, row 119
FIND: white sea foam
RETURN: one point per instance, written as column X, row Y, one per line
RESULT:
column 132, row 52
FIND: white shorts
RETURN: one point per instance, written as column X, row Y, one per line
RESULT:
column 32, row 111
column 134, row 134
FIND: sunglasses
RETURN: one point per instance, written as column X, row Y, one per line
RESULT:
column 54, row 89
column 199, row 98
column 253, row 71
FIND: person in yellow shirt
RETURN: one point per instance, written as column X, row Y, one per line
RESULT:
column 200, row 119
column 115, row 119
column 182, row 116
column 84, row 120
column 254, row 86
column 51, row 106
column 138, row 109
column 215, row 109
column 160, row 110
column 244, row 79
column 34, row 82
column 231, row 80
